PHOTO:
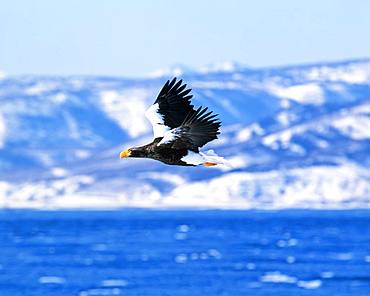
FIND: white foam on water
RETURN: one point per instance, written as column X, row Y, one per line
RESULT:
column 180, row 236
column 183, row 228
column 314, row 284
column 93, row 292
column 51, row 280
column 114, row 283
column 181, row 258
column 292, row 242
column 290, row 259
column 281, row 243
column 194, row 256
column 214, row 253
column 277, row 277
column 343, row 256
column 203, row 256
column 327, row 274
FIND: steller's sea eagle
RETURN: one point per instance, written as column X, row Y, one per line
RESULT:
column 179, row 130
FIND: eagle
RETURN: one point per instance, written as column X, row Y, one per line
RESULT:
column 179, row 129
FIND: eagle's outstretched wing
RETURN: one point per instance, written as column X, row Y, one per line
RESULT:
column 171, row 108
column 198, row 129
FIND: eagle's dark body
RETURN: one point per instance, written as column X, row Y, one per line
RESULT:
column 179, row 129
column 163, row 153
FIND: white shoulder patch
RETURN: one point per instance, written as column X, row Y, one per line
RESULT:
column 169, row 136
column 156, row 119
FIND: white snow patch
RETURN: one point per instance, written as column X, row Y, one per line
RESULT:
column 342, row 186
column 82, row 154
column 357, row 126
column 2, row 130
column 317, row 187
column 310, row 93
column 283, row 137
column 322, row 143
column 226, row 66
column 127, row 108
column 174, row 71
column 77, row 83
column 285, row 104
column 237, row 76
column 227, row 105
column 40, row 88
column 170, row 178
column 352, row 73
column 353, row 122
column 246, row 133
column 285, row 118
column 74, row 130
column 217, row 84
column 59, row 98
column 238, row 161
column 364, row 108
column 59, row 172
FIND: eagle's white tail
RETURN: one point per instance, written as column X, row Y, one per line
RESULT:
column 210, row 157
column 207, row 158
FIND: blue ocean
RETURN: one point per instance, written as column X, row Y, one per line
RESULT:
column 154, row 252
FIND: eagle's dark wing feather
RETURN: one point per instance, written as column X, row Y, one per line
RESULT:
column 198, row 128
column 170, row 108
column 174, row 103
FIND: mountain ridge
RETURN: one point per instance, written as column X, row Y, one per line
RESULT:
column 300, row 129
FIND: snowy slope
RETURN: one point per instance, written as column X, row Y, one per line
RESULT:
column 296, row 136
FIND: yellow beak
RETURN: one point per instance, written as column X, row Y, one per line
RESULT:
column 125, row 153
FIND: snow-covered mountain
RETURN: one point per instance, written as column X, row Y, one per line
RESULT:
column 296, row 136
